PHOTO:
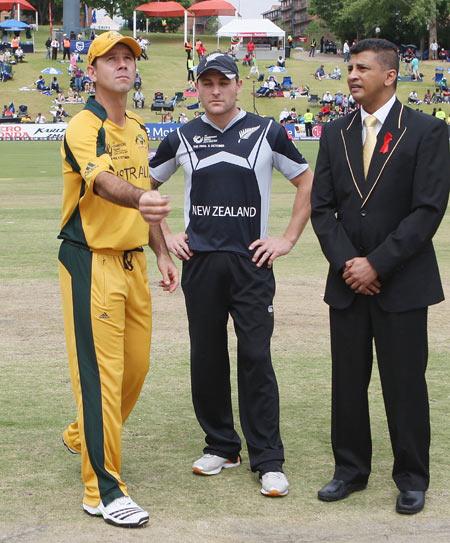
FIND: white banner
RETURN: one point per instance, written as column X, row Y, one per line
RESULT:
column 32, row 132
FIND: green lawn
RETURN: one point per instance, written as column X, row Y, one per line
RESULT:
column 40, row 482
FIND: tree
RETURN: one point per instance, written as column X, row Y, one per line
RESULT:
column 399, row 20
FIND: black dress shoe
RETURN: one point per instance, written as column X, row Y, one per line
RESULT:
column 410, row 502
column 338, row 490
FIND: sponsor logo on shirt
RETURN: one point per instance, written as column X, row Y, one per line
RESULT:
column 89, row 168
column 205, row 139
column 247, row 132
column 117, row 150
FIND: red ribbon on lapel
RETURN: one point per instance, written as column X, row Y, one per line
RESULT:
column 387, row 140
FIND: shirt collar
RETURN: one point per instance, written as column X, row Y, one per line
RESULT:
column 381, row 113
column 233, row 121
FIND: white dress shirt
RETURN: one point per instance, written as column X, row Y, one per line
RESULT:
column 380, row 114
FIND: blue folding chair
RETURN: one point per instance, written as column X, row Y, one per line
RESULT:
column 286, row 84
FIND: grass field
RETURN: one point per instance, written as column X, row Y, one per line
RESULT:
column 166, row 71
column 40, row 483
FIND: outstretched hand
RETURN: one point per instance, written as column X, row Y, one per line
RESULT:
column 153, row 206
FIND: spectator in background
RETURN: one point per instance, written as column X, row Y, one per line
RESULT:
column 312, row 48
column 327, row 98
column 281, row 62
column 54, row 85
column 413, row 98
column 320, row 72
column 137, row 81
column 48, row 46
column 336, row 73
column 284, row 114
column 182, row 119
column 143, row 43
column 188, row 49
column 251, row 48
column 427, row 97
column 60, row 114
column 434, row 50
column 66, row 47
column 308, row 118
column 168, row 118
column 40, row 84
column 440, row 114
column 190, row 69
column 40, row 119
column 15, row 43
column 292, row 116
column 138, row 99
column 200, row 48
column 19, row 54
column 346, row 51
column 415, row 68
column 55, row 47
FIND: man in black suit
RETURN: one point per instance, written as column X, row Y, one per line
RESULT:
column 380, row 191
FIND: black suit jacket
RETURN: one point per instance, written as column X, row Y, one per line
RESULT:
column 391, row 216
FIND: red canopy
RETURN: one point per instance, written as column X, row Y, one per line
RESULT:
column 24, row 5
column 161, row 9
column 210, row 8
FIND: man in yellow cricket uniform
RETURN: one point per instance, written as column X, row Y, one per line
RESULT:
column 109, row 213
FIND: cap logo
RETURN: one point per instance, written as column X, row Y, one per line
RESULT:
column 213, row 56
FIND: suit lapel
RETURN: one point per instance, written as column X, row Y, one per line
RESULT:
column 352, row 140
column 388, row 139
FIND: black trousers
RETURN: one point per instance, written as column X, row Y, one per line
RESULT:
column 402, row 351
column 217, row 285
column 308, row 130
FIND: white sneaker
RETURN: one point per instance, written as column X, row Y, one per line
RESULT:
column 72, row 451
column 274, row 483
column 211, row 464
column 123, row 512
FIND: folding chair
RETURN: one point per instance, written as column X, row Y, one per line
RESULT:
column 286, row 84
column 313, row 100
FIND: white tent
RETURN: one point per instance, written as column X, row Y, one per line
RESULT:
column 105, row 23
column 255, row 28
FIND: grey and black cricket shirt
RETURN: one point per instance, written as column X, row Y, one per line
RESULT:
column 228, row 177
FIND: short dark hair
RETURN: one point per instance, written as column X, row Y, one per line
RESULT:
column 385, row 50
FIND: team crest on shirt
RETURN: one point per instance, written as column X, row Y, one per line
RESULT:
column 140, row 141
column 247, row 132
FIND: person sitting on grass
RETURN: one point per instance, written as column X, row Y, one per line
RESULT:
column 320, row 73
column 336, row 73
column 427, row 97
column 40, row 84
column 54, row 85
column 413, row 98
column 60, row 114
column 281, row 62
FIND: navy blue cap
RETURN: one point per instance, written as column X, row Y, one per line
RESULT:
column 220, row 62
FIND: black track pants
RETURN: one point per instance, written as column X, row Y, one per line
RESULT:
column 216, row 285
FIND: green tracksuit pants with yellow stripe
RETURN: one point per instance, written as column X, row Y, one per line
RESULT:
column 107, row 318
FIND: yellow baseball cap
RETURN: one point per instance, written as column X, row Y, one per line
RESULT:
column 106, row 41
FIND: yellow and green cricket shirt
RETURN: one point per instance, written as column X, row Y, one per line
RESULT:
column 94, row 144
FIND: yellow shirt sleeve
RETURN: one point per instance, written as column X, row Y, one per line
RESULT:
column 85, row 147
